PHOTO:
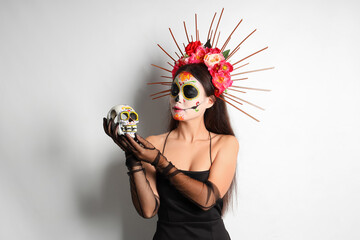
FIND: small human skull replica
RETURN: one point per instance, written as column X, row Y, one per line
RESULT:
column 126, row 117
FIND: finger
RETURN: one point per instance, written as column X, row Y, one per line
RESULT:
column 126, row 143
column 144, row 142
column 121, row 144
column 114, row 128
column 109, row 126
column 133, row 143
column 117, row 130
column 105, row 126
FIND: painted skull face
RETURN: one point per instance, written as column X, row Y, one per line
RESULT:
column 187, row 99
column 126, row 117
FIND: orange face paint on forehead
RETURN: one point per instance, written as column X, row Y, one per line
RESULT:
column 183, row 76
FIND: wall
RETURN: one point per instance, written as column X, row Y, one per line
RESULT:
column 63, row 64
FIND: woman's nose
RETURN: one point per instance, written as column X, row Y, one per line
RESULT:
column 177, row 98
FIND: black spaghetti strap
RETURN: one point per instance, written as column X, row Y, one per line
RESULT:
column 210, row 149
column 165, row 142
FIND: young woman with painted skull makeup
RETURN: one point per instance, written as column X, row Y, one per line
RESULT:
column 189, row 185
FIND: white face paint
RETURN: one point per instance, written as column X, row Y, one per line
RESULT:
column 188, row 99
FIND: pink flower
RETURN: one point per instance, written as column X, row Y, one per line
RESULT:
column 198, row 55
column 225, row 67
column 221, row 81
column 211, row 59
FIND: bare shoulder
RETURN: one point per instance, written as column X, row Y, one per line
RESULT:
column 157, row 140
column 229, row 140
column 226, row 148
column 226, row 140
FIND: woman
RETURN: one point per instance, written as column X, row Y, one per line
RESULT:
column 188, row 184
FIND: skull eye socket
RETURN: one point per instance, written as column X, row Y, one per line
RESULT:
column 124, row 115
column 190, row 91
column 134, row 116
column 174, row 89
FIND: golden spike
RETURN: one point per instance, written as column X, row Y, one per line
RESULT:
column 226, row 43
column 192, row 38
column 257, row 70
column 235, row 90
column 198, row 34
column 177, row 54
column 217, row 39
column 239, row 79
column 258, row 89
column 239, row 109
column 240, row 66
column 160, row 67
column 246, row 101
column 234, row 100
column 161, row 96
column 251, row 55
column 196, row 31
column 223, row 47
column 151, row 83
column 217, row 26
column 186, row 33
column 233, row 52
column 170, row 64
column 160, row 92
column 211, row 34
column 166, row 53
column 210, row 27
column 238, row 46
column 175, row 41
column 169, row 77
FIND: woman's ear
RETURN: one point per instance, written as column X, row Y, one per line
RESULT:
column 211, row 101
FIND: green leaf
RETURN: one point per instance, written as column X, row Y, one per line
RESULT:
column 226, row 53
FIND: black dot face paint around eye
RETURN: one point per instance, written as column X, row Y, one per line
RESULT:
column 190, row 91
column 174, row 89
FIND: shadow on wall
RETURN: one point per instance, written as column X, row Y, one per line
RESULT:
column 114, row 202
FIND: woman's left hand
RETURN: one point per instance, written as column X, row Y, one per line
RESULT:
column 143, row 150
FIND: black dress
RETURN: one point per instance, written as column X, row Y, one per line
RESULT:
column 181, row 219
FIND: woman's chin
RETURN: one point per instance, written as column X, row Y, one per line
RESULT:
column 178, row 117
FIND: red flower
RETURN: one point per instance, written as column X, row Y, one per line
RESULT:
column 191, row 47
column 212, row 50
column 178, row 64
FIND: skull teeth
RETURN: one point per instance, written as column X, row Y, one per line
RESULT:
column 129, row 128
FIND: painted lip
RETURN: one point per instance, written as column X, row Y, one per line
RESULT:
column 177, row 109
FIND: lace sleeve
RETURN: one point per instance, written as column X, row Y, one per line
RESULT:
column 145, row 201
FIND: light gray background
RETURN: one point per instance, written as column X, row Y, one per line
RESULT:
column 63, row 64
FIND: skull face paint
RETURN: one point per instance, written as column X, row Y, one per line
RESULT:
column 187, row 97
column 126, row 117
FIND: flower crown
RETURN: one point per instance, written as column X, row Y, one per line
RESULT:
column 217, row 62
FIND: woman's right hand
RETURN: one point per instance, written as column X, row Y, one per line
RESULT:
column 111, row 130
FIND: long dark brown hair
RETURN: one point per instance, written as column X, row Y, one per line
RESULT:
column 216, row 118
